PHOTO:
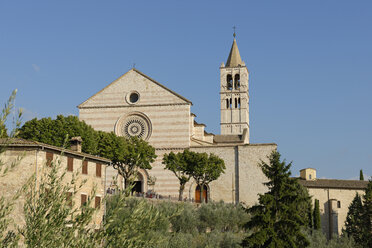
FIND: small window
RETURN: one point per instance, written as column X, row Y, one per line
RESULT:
column 230, row 103
column 310, row 176
column 85, row 167
column 97, row 202
column 49, row 159
column 83, row 199
column 239, row 102
column 98, row 170
column 236, row 102
column 227, row 103
column 70, row 164
column 339, row 204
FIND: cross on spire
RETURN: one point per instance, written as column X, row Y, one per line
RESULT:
column 234, row 31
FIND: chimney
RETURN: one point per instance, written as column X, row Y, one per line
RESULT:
column 76, row 144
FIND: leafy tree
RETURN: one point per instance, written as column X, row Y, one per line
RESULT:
column 353, row 223
column 127, row 155
column 3, row 131
column 316, row 215
column 51, row 217
column 134, row 223
column 276, row 220
column 205, row 168
column 180, row 165
column 361, row 176
column 53, row 132
column 319, row 240
column 367, row 217
column 140, row 223
column 222, row 217
column 8, row 238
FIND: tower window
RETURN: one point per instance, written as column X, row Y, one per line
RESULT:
column 227, row 103
column 229, row 81
column 230, row 103
column 236, row 103
column 239, row 102
column 237, row 82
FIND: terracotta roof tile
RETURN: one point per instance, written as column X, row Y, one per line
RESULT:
column 16, row 142
column 334, row 183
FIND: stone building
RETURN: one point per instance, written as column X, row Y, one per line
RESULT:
column 334, row 198
column 137, row 105
column 34, row 157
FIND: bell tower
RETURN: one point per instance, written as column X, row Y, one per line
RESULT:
column 234, row 78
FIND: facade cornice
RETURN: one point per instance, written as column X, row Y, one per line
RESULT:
column 131, row 106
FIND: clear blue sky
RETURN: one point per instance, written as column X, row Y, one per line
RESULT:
column 310, row 65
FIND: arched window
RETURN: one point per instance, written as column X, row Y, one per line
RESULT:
column 230, row 103
column 237, row 82
column 229, row 81
column 227, row 103
column 239, row 102
column 236, row 102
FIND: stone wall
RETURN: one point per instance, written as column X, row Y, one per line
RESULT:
column 33, row 161
column 338, row 217
column 241, row 182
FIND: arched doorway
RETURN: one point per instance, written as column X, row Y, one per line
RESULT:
column 138, row 184
column 197, row 194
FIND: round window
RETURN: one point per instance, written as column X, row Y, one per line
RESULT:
column 133, row 98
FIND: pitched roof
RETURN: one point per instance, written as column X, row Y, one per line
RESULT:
column 144, row 75
column 334, row 183
column 231, row 138
column 234, row 58
column 22, row 143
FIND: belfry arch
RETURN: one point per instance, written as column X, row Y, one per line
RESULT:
column 237, row 82
column 229, row 82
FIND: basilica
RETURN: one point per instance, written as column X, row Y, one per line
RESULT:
column 137, row 105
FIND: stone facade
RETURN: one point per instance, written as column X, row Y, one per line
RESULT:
column 33, row 157
column 137, row 105
column 334, row 197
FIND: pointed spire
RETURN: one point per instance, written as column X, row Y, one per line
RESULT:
column 234, row 58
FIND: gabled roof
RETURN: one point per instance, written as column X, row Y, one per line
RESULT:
column 334, row 184
column 144, row 75
column 22, row 143
column 234, row 58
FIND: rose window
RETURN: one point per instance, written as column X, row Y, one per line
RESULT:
column 134, row 125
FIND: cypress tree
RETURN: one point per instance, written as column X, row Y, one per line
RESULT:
column 361, row 176
column 367, row 217
column 353, row 223
column 276, row 221
column 316, row 215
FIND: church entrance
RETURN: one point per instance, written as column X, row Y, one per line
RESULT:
column 137, row 188
column 138, row 185
column 197, row 194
